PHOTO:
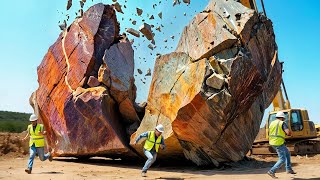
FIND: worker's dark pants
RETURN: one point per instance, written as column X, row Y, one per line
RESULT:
column 40, row 151
column 152, row 156
column 284, row 157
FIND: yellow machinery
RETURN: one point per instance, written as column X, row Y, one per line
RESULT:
column 318, row 129
column 304, row 134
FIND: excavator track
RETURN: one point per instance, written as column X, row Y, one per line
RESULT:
column 296, row 147
column 308, row 146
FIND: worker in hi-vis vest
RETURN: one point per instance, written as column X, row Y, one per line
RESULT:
column 151, row 146
column 36, row 142
column 278, row 130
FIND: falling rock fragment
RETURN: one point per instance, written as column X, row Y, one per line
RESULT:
column 63, row 25
column 134, row 22
column 148, row 72
column 186, row 1
column 81, row 4
column 158, row 28
column 139, row 71
column 145, row 29
column 139, row 11
column 175, row 2
column 150, row 46
column 118, row 8
column 160, row 15
column 151, row 17
column 69, row 4
column 133, row 32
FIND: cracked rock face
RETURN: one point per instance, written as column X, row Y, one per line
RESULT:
column 85, row 85
column 212, row 92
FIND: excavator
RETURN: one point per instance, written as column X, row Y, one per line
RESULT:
column 318, row 129
column 305, row 135
column 304, row 139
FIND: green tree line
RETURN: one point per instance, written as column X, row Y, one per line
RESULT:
column 13, row 121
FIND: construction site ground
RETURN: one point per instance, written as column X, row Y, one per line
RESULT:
column 14, row 158
column 12, row 167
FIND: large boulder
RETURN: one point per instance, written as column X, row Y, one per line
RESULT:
column 81, row 91
column 212, row 92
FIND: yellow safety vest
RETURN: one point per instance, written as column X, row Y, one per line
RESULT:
column 276, row 133
column 35, row 137
column 150, row 142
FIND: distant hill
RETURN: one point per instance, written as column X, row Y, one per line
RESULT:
column 13, row 121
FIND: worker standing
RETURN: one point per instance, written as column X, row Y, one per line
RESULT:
column 36, row 142
column 151, row 146
column 278, row 130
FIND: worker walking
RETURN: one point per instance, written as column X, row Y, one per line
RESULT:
column 36, row 142
column 278, row 130
column 151, row 146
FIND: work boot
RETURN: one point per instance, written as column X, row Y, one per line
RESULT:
column 271, row 174
column 50, row 157
column 28, row 170
column 144, row 174
column 291, row 172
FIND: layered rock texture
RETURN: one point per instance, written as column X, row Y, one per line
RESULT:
column 86, row 87
column 210, row 94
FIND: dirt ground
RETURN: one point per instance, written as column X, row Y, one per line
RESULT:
column 14, row 158
column 101, row 168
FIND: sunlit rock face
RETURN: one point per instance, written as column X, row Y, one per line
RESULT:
column 210, row 94
column 86, row 88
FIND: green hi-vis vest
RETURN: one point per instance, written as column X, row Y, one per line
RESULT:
column 151, row 141
column 276, row 133
column 35, row 137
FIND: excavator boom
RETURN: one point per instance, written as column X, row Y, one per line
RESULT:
column 278, row 102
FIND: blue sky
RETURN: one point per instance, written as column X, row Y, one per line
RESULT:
column 28, row 28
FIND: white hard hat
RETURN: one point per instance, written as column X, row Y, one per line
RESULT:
column 280, row 114
column 160, row 128
column 33, row 117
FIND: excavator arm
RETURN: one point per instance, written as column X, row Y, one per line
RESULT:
column 278, row 102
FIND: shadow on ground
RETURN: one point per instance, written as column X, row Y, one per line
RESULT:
column 246, row 166
column 51, row 172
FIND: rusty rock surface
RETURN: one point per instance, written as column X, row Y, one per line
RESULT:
column 212, row 92
column 77, row 102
